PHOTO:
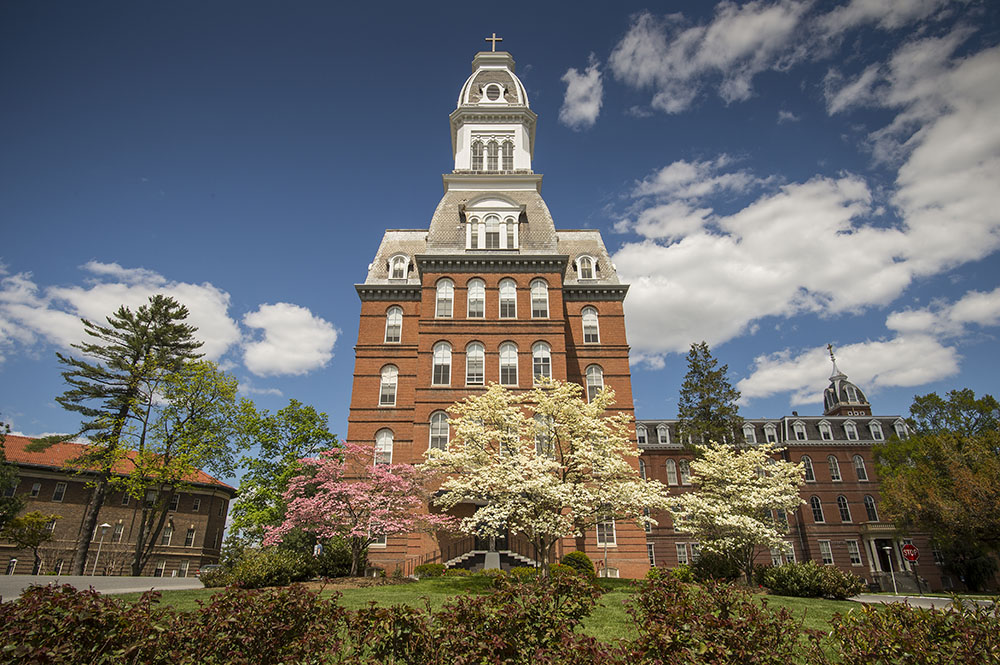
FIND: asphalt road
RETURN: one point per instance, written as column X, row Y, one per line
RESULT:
column 11, row 586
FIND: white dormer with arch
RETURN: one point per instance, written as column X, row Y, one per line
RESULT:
column 399, row 266
column 492, row 222
column 586, row 267
column 799, row 430
column 771, row 433
column 825, row 430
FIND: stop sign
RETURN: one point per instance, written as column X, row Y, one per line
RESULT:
column 910, row 552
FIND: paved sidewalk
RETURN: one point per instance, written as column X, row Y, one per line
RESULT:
column 11, row 586
column 928, row 602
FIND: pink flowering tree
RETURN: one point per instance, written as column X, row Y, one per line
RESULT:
column 344, row 493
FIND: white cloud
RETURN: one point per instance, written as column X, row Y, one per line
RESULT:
column 787, row 116
column 888, row 15
column 693, row 180
column 295, row 341
column 584, row 95
column 949, row 320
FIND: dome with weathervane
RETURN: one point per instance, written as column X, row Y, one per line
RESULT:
column 493, row 82
column 843, row 398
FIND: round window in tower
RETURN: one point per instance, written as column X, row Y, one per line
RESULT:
column 493, row 92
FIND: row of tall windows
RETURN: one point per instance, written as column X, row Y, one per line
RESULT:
column 476, row 308
column 825, row 431
column 844, row 508
column 496, row 153
column 678, row 471
column 860, row 471
column 490, row 232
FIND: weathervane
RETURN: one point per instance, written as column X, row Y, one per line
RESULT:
column 829, row 348
column 494, row 39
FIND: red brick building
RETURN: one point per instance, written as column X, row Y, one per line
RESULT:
column 48, row 483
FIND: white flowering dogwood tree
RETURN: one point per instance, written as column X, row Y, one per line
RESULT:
column 545, row 463
column 739, row 494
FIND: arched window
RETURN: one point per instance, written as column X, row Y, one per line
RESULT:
column 591, row 331
column 397, row 267
column 477, row 155
column 852, row 393
column 640, row 434
column 492, row 156
column 475, row 364
column 800, row 431
column 508, row 364
column 807, row 464
column 387, row 391
column 845, row 510
column 508, row 156
column 539, row 299
column 771, row 433
column 851, row 431
column 662, row 434
column 383, row 446
column 439, row 430
column 834, row 468
column 511, row 225
column 595, row 381
column 749, row 434
column 825, row 432
column 870, row 508
column 671, row 472
column 876, row 429
column 441, row 374
column 445, row 299
column 508, row 299
column 585, row 267
column 642, row 469
column 476, row 299
column 541, row 361
column 685, row 469
column 492, row 232
column 474, row 233
column 393, row 325
column 900, row 428
column 859, row 467
column 817, row 508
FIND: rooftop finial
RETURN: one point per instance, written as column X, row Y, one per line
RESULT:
column 833, row 359
column 494, row 39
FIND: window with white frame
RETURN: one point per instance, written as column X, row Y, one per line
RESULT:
column 595, row 381
column 383, row 446
column 684, row 466
column 36, row 489
column 166, row 535
column 870, row 508
column 642, row 469
column 900, row 428
column 116, row 537
column 196, row 506
column 398, row 266
column 189, row 537
column 854, row 552
column 825, row 431
column 640, row 434
column 161, row 566
column 511, row 227
column 51, row 526
column 771, row 433
column 476, row 299
column 682, row 553
column 851, row 431
column 826, row 552
column 591, row 328
column 475, row 364
column 507, row 150
column 606, row 533
column 59, row 492
column 852, row 393
column 799, row 428
column 834, row 465
column 393, row 325
column 695, row 551
column 493, row 232
column 609, row 572
column 539, row 299
column 585, row 267
column 508, row 364
column 445, row 299
column 937, row 555
column 508, row 299
column 541, row 361
column 439, row 431
column 378, row 541
column 844, row 508
column 749, row 434
column 477, row 155
column 182, row 568
column 647, row 526
column 441, row 368
column 876, row 430
column 387, row 386
column 859, row 468
column 671, row 472
column 492, row 156
column 662, row 434
column 817, row 509
column 125, row 498
column 807, row 465
column 651, row 554
column 174, row 502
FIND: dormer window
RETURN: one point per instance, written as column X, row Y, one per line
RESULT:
column 876, row 429
column 749, row 434
column 640, row 435
column 492, row 232
column 662, row 435
column 585, row 267
column 825, row 432
column 900, row 428
column 397, row 266
column 800, row 431
column 771, row 433
column 852, row 393
column 851, row 431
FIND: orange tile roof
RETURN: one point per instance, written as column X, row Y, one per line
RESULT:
column 61, row 455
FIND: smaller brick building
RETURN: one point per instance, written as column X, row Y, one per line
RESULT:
column 47, row 482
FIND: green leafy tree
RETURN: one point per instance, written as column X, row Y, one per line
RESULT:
column 707, row 409
column 30, row 531
column 189, row 424
column 10, row 506
column 945, row 477
column 279, row 441
column 107, row 384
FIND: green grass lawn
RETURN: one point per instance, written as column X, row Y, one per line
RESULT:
column 608, row 622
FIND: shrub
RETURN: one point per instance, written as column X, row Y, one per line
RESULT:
column 429, row 570
column 809, row 580
column 489, row 572
column 681, row 573
column 270, row 567
column 581, row 563
column 335, row 561
column 523, row 573
column 216, row 578
column 457, row 572
column 559, row 569
column 714, row 566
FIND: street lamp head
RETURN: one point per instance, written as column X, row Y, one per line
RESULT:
column 105, row 525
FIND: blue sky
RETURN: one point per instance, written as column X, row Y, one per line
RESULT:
column 770, row 177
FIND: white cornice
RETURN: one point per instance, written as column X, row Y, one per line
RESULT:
column 510, row 182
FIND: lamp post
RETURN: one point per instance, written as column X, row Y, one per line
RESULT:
column 888, row 555
column 103, row 529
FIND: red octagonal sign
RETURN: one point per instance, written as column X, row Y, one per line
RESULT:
column 910, row 552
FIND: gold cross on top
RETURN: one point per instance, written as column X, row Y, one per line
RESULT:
column 494, row 39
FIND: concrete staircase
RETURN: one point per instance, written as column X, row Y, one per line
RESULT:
column 474, row 560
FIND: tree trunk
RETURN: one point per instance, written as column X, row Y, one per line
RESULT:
column 148, row 534
column 356, row 553
column 38, row 563
column 89, row 525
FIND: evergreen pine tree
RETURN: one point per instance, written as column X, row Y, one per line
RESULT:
column 106, row 387
column 707, row 409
